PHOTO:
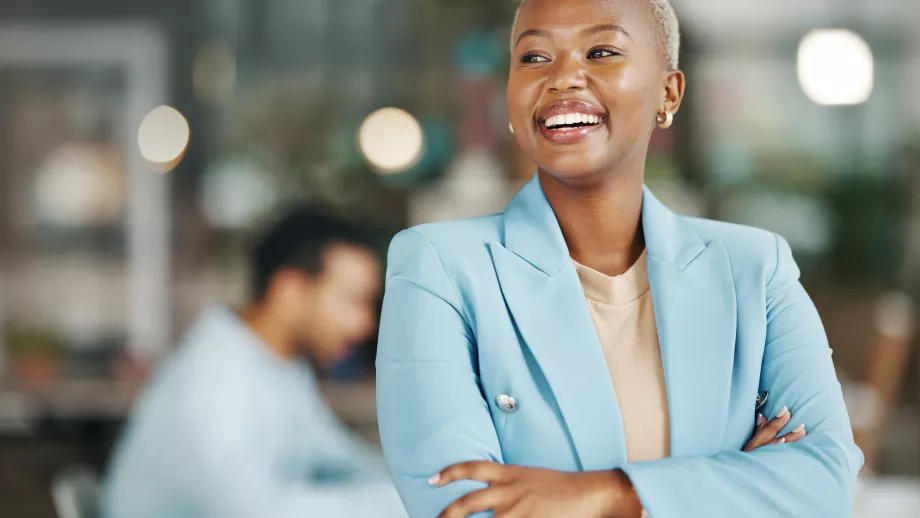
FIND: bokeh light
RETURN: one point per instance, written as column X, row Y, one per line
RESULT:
column 79, row 184
column 236, row 193
column 163, row 135
column 894, row 315
column 836, row 67
column 391, row 140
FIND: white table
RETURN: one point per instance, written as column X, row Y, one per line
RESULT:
column 887, row 497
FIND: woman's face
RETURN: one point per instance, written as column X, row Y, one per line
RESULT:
column 587, row 81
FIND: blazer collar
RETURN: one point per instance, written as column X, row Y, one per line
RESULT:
column 695, row 308
column 533, row 233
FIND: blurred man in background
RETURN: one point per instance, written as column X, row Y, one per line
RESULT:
column 234, row 425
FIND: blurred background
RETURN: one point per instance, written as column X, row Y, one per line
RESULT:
column 142, row 142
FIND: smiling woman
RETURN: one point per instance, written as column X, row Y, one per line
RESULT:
column 565, row 63
column 588, row 352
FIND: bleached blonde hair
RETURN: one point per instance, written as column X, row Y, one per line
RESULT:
column 666, row 26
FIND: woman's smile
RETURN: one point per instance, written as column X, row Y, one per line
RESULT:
column 569, row 121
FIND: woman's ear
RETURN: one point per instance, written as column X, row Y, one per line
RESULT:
column 674, row 85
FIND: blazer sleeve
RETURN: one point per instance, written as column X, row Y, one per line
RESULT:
column 814, row 477
column 431, row 410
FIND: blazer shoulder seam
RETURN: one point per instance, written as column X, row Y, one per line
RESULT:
column 461, row 308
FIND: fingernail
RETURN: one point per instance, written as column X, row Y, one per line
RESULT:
column 799, row 429
column 760, row 419
column 782, row 412
column 434, row 479
column 781, row 441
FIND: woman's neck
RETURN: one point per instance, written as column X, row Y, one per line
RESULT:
column 601, row 222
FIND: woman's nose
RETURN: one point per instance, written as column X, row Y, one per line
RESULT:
column 568, row 74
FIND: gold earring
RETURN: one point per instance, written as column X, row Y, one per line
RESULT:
column 665, row 120
column 511, row 128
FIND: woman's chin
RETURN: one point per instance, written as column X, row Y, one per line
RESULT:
column 570, row 170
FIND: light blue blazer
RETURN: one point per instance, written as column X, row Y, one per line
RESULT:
column 492, row 306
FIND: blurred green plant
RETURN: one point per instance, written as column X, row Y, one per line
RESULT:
column 22, row 341
column 303, row 133
column 870, row 211
column 308, row 151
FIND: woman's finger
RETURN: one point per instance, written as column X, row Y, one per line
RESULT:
column 778, row 423
column 790, row 437
column 478, row 501
column 767, row 432
column 796, row 434
column 483, row 471
column 773, row 427
column 751, row 445
column 513, row 509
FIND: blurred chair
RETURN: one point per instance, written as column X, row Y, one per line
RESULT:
column 75, row 492
column 895, row 334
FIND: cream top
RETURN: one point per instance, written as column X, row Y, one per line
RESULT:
column 621, row 308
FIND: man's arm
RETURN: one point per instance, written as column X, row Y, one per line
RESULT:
column 335, row 447
column 234, row 461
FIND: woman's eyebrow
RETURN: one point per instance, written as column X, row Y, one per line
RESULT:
column 532, row 32
column 540, row 33
column 605, row 27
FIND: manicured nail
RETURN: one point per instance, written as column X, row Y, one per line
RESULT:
column 781, row 441
column 760, row 419
column 799, row 429
column 434, row 479
column 782, row 412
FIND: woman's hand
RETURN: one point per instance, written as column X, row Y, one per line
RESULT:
column 765, row 433
column 516, row 491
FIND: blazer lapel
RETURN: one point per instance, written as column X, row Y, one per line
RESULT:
column 694, row 300
column 544, row 295
column 695, row 310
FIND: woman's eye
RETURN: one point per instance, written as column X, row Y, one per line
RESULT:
column 533, row 58
column 602, row 53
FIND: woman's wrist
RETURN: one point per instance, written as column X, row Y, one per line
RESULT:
column 620, row 496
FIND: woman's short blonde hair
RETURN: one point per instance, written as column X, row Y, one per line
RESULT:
column 666, row 24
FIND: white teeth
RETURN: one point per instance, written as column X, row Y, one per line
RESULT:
column 571, row 118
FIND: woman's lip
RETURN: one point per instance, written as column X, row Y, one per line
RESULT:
column 568, row 135
column 566, row 107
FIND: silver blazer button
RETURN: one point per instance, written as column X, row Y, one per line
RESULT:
column 506, row 403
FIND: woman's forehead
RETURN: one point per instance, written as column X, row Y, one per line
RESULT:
column 546, row 14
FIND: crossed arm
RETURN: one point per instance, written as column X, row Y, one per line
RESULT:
column 432, row 415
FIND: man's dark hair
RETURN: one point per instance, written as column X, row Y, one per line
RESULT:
column 299, row 240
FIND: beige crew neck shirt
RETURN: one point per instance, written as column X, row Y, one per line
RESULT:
column 621, row 308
